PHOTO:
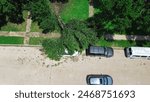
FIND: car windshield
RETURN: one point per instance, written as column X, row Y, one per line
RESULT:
column 130, row 51
column 95, row 81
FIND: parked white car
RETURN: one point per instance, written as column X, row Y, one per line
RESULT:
column 137, row 52
column 76, row 53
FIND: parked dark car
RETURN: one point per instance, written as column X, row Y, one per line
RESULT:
column 101, row 79
column 100, row 51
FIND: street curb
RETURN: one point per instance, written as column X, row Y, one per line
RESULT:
column 40, row 46
column 20, row 45
column 118, row 48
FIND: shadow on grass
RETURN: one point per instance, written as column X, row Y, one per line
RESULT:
column 140, row 43
column 13, row 18
column 2, row 20
column 18, row 19
column 137, row 29
column 94, row 3
column 58, row 1
column 98, row 24
column 139, row 40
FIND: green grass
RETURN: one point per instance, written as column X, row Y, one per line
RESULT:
column 75, row 9
column 11, row 40
column 35, row 27
column 36, row 40
column 96, row 5
column 122, row 43
column 96, row 10
column 16, row 27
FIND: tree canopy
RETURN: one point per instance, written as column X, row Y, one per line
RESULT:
column 77, row 36
column 42, row 13
column 116, row 16
column 53, row 48
column 2, row 13
column 11, row 11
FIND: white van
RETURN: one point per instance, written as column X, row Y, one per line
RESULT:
column 137, row 52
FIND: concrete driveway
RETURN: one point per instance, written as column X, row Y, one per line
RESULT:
column 24, row 65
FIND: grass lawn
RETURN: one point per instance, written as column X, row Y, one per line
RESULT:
column 122, row 43
column 11, row 40
column 16, row 27
column 36, row 40
column 75, row 9
column 35, row 27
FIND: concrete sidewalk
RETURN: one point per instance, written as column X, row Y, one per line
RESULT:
column 91, row 11
column 126, row 37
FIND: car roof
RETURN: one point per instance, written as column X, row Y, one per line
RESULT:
column 96, row 50
column 141, row 51
column 101, row 79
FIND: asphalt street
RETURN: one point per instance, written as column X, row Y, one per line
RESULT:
column 27, row 65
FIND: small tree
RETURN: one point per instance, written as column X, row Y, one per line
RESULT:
column 77, row 36
column 41, row 12
column 70, row 41
column 53, row 48
column 48, row 24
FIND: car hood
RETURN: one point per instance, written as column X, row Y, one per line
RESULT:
column 110, row 52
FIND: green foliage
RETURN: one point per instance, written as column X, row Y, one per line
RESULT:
column 119, row 16
column 36, row 40
column 63, row 1
column 142, row 24
column 3, row 10
column 11, row 40
column 53, row 48
column 15, row 27
column 35, row 27
column 12, row 11
column 39, row 9
column 122, row 43
column 75, row 9
column 41, row 12
column 48, row 24
column 70, row 41
column 77, row 36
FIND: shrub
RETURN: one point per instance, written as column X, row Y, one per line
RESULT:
column 53, row 48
